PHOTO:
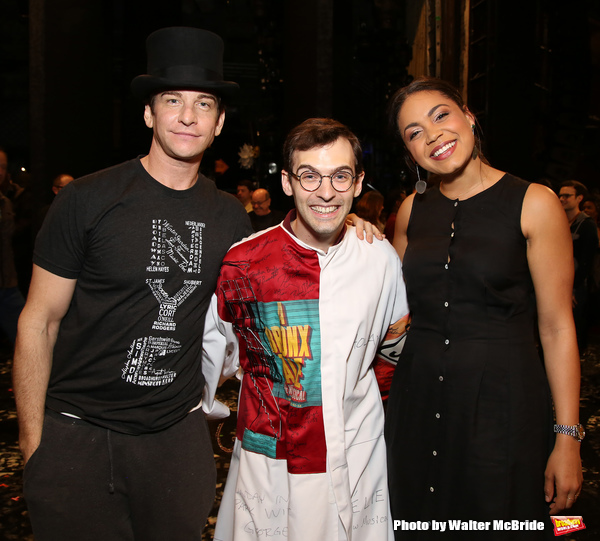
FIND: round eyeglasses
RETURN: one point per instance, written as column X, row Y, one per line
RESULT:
column 341, row 181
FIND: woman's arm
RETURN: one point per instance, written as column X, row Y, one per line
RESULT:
column 550, row 257
column 402, row 218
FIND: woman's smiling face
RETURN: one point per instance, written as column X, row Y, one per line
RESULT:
column 437, row 132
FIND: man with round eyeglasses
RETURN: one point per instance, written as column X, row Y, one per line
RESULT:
column 309, row 456
column 322, row 205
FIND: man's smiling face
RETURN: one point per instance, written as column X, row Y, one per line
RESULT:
column 320, row 215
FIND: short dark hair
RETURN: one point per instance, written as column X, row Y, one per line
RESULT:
column 580, row 188
column 425, row 84
column 248, row 183
column 319, row 132
column 593, row 199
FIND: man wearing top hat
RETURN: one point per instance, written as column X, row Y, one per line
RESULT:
column 107, row 372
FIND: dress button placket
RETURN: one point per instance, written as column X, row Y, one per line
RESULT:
column 446, row 266
column 446, row 303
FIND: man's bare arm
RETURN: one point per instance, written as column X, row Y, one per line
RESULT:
column 47, row 302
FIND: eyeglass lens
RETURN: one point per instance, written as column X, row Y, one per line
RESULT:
column 311, row 180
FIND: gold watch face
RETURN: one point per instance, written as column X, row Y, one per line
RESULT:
column 580, row 432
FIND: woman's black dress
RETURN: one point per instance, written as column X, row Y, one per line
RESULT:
column 469, row 419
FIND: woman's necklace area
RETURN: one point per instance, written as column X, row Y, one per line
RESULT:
column 454, row 197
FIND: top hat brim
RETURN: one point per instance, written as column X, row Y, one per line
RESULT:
column 144, row 86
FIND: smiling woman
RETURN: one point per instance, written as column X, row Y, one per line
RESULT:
column 438, row 132
column 469, row 418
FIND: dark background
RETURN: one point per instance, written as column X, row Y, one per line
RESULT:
column 533, row 80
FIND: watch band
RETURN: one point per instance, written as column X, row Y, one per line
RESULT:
column 577, row 431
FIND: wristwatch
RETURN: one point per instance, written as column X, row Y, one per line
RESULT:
column 577, row 431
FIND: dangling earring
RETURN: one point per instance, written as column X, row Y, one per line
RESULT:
column 475, row 152
column 420, row 185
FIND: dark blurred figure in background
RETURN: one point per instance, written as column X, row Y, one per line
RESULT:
column 224, row 176
column 244, row 193
column 19, row 194
column 591, row 206
column 262, row 217
column 60, row 181
column 585, row 246
column 390, row 208
column 8, row 188
column 369, row 208
column 11, row 298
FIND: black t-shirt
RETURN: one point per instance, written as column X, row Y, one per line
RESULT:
column 146, row 259
column 275, row 217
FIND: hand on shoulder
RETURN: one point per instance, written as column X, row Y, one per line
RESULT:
column 364, row 230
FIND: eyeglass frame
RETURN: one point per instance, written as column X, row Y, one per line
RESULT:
column 566, row 195
column 297, row 177
column 259, row 203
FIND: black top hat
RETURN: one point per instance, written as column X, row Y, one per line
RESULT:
column 181, row 58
